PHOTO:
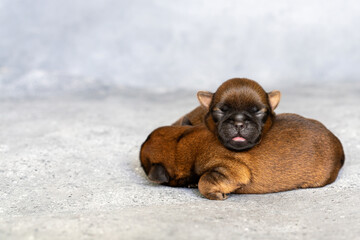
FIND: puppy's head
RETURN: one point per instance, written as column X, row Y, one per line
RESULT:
column 239, row 112
column 157, row 154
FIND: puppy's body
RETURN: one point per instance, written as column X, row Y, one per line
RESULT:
column 295, row 153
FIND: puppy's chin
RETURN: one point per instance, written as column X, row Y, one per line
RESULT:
column 235, row 141
column 239, row 146
column 235, row 146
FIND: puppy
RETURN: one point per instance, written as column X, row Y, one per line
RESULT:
column 239, row 113
column 294, row 153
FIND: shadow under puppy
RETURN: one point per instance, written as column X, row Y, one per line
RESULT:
column 295, row 152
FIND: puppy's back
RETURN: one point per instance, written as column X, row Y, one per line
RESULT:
column 296, row 153
column 329, row 152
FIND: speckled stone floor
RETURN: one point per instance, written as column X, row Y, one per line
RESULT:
column 69, row 169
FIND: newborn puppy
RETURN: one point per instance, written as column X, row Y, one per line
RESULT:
column 238, row 113
column 295, row 153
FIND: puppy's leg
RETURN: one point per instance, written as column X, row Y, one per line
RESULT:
column 220, row 181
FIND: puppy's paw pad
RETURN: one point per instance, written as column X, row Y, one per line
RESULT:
column 158, row 174
column 216, row 196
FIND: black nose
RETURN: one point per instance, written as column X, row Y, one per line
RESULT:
column 239, row 120
column 239, row 125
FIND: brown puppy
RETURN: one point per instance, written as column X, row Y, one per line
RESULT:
column 295, row 153
column 238, row 113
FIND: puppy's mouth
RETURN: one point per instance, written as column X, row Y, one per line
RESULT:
column 238, row 139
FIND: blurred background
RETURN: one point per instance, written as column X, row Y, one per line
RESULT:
column 49, row 47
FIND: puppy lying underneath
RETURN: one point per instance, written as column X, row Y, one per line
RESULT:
column 295, row 153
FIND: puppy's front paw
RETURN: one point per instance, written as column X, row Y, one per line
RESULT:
column 216, row 196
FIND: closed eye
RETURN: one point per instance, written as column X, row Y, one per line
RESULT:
column 221, row 109
column 224, row 108
column 254, row 109
column 261, row 112
column 217, row 114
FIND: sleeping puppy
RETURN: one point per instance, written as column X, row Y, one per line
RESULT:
column 238, row 113
column 295, row 153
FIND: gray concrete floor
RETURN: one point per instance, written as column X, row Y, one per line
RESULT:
column 69, row 169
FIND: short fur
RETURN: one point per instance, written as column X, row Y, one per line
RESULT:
column 238, row 113
column 295, row 153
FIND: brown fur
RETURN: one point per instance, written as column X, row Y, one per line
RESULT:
column 237, row 93
column 240, row 94
column 295, row 153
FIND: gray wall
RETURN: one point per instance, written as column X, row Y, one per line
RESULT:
column 70, row 45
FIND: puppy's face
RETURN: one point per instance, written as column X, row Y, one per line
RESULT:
column 239, row 126
column 238, row 112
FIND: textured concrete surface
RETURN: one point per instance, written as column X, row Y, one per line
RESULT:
column 69, row 169
column 71, row 125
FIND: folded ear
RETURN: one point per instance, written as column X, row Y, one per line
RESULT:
column 274, row 99
column 205, row 98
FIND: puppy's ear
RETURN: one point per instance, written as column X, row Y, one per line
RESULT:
column 274, row 99
column 205, row 98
